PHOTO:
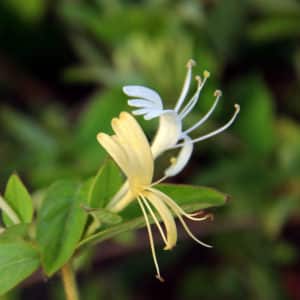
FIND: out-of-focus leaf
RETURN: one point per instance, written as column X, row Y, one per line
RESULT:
column 106, row 183
column 274, row 29
column 104, row 26
column 161, row 69
column 28, row 133
column 285, row 253
column 225, row 26
column 190, row 198
column 29, row 10
column 278, row 214
column 18, row 260
column 60, row 223
column 255, row 122
column 272, row 7
column 96, row 117
column 18, row 198
column 261, row 283
column 15, row 232
column 288, row 146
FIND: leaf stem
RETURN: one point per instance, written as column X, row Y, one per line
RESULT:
column 9, row 211
column 69, row 282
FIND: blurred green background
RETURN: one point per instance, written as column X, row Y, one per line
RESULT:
column 62, row 66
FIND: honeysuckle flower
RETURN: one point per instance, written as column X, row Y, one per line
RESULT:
column 130, row 149
column 170, row 134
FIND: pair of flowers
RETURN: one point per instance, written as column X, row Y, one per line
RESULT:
column 132, row 152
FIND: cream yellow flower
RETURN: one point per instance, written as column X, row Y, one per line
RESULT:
column 130, row 149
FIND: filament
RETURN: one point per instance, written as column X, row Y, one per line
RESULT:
column 186, row 85
column 176, row 207
column 191, row 104
column 158, row 276
column 190, row 234
column 218, row 95
column 155, row 219
column 207, row 136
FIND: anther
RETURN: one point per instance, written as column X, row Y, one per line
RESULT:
column 206, row 74
column 218, row 93
column 209, row 217
column 173, row 160
column 161, row 279
column 191, row 63
column 198, row 79
column 237, row 107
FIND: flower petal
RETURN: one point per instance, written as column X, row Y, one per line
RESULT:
column 166, row 217
column 115, row 151
column 182, row 158
column 135, row 143
column 167, row 134
column 142, row 92
column 141, row 103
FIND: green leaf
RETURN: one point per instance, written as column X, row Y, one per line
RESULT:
column 30, row 11
column 278, row 214
column 105, row 184
column 106, row 217
column 274, row 29
column 190, row 198
column 60, row 223
column 28, row 133
column 95, row 118
column 18, row 260
column 15, row 232
column 193, row 196
column 18, row 198
column 225, row 26
column 256, row 119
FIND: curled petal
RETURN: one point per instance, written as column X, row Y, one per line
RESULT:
column 140, row 111
column 142, row 103
column 167, row 134
column 182, row 159
column 154, row 113
column 142, row 92
column 166, row 217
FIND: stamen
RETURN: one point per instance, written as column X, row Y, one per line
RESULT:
column 218, row 95
column 158, row 181
column 206, row 74
column 173, row 160
column 190, row 234
column 223, row 128
column 173, row 205
column 186, row 85
column 158, row 276
column 191, row 104
column 155, row 219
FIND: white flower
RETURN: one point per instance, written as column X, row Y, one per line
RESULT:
column 170, row 134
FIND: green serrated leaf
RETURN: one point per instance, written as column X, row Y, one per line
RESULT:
column 18, row 260
column 60, row 223
column 18, row 198
column 106, row 183
column 190, row 198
